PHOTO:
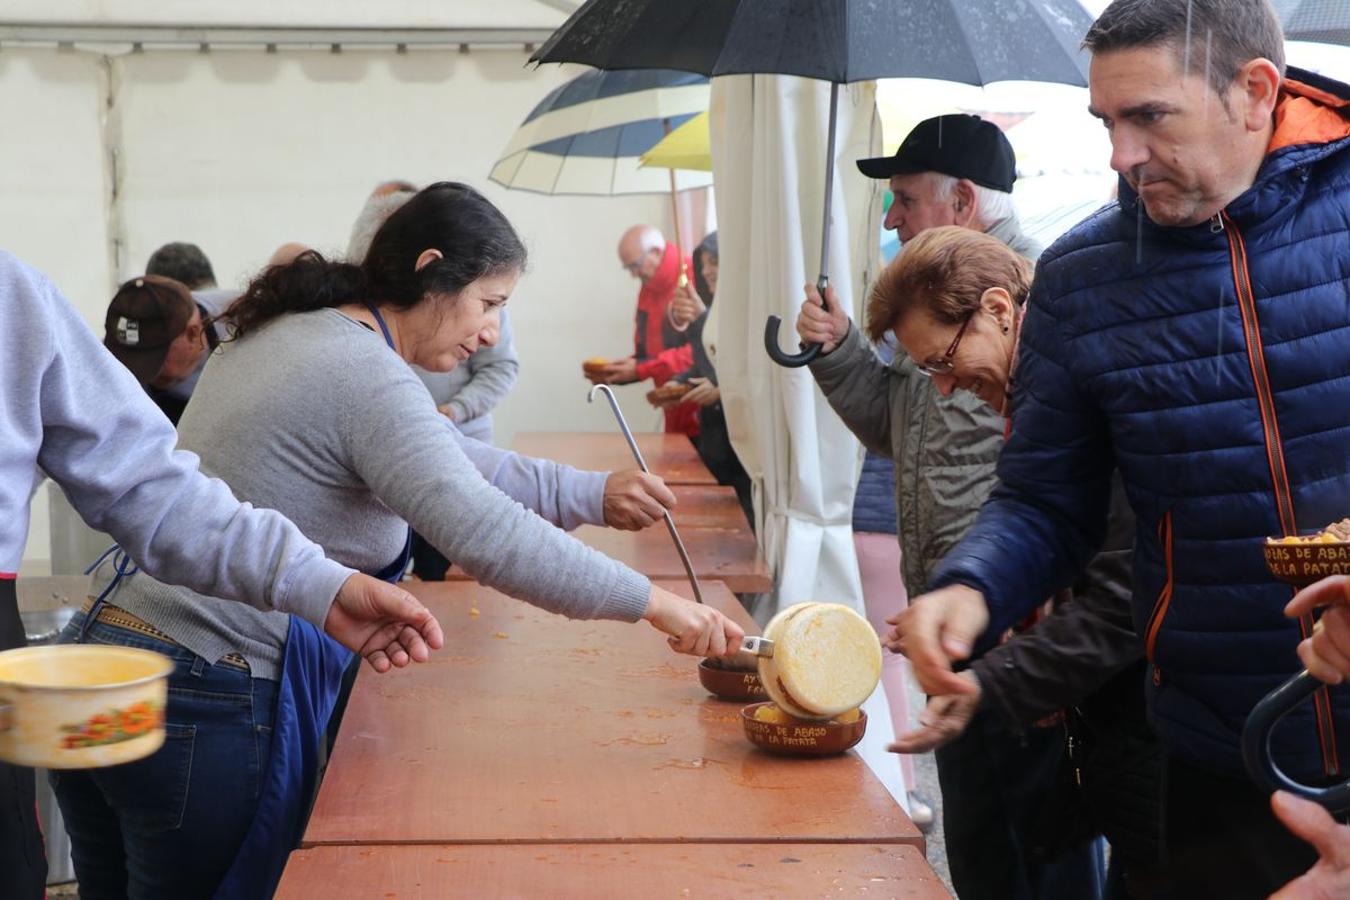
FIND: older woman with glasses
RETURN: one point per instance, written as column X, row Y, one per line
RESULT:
column 953, row 300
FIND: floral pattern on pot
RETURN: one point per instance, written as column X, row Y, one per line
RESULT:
column 113, row 727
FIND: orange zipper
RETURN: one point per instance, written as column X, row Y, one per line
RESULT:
column 1279, row 476
column 1155, row 618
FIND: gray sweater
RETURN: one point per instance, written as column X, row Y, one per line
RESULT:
column 316, row 416
column 68, row 406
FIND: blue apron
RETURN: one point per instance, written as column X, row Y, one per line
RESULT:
column 311, row 680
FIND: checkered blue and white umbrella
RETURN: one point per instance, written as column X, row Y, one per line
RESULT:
column 586, row 136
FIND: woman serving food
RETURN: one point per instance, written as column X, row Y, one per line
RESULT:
column 311, row 408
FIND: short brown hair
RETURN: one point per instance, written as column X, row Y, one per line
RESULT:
column 1214, row 38
column 945, row 271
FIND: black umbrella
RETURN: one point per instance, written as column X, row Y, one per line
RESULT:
column 840, row 41
column 1322, row 21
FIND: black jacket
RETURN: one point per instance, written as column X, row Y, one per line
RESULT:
column 1086, row 658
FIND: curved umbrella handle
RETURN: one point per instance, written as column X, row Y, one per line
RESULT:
column 809, row 351
column 1256, row 736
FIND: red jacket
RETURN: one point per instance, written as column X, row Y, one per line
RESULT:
column 661, row 351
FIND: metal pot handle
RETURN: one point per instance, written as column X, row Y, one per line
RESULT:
column 1256, row 736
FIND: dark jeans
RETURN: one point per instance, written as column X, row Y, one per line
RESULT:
column 993, row 785
column 23, row 863
column 170, row 825
column 1220, row 838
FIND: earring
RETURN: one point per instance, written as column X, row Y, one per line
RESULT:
column 1005, row 328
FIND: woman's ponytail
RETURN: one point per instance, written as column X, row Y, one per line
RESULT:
column 471, row 235
column 307, row 283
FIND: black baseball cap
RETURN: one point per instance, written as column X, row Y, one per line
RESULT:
column 145, row 316
column 959, row 145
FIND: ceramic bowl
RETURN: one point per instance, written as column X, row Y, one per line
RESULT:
column 802, row 737
column 671, row 390
column 80, row 706
column 1303, row 562
column 728, row 683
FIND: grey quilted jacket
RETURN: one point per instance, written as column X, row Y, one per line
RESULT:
column 944, row 448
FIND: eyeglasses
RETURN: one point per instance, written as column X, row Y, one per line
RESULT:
column 943, row 364
column 636, row 265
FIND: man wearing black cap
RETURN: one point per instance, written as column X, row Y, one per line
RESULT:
column 951, row 170
column 164, row 335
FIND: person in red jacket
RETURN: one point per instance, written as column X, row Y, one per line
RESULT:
column 660, row 350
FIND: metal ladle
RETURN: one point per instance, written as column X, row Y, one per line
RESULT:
column 642, row 464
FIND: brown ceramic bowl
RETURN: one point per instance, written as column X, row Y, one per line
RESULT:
column 668, row 392
column 802, row 737
column 725, row 682
column 1303, row 562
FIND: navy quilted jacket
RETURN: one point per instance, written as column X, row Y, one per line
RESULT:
column 1211, row 364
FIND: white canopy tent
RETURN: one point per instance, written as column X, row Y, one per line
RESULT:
column 768, row 148
column 239, row 149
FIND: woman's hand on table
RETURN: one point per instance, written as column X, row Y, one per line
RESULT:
column 693, row 627
column 816, row 325
column 382, row 622
column 703, row 392
column 635, row 499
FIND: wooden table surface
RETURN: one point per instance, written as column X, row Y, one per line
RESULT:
column 527, row 728
column 671, row 456
column 729, row 555
column 610, row 871
column 714, row 531
column 707, row 506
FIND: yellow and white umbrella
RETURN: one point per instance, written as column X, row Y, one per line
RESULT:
column 687, row 148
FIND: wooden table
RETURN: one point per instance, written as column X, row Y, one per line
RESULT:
column 526, row 728
column 728, row 555
column 713, row 529
column 671, row 456
column 610, row 871
column 706, row 506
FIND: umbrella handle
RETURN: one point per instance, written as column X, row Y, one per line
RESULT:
column 809, row 351
column 1256, row 736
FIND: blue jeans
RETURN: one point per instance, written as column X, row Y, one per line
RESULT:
column 170, row 825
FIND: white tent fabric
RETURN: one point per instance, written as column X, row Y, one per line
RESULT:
column 768, row 148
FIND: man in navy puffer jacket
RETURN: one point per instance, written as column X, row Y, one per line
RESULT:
column 1196, row 334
